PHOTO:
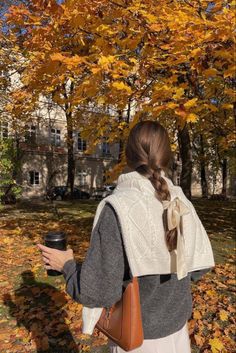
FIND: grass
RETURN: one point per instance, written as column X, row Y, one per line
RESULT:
column 218, row 218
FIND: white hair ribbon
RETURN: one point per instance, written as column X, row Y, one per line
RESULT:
column 175, row 209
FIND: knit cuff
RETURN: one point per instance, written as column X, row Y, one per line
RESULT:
column 69, row 269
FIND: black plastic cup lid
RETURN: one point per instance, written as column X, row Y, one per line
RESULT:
column 55, row 236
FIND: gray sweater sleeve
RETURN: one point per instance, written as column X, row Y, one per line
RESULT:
column 98, row 282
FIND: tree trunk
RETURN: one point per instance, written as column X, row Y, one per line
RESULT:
column 70, row 154
column 224, row 176
column 185, row 150
column 204, row 185
column 17, row 156
column 120, row 119
column 70, row 139
column 234, row 112
column 121, row 143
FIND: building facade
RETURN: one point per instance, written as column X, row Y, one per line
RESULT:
column 44, row 160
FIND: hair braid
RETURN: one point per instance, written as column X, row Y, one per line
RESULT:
column 162, row 193
column 148, row 152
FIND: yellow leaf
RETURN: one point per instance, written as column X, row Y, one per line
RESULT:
column 8, row 241
column 57, row 57
column 191, row 103
column 156, row 27
column 196, row 52
column 102, row 27
column 82, row 41
column 210, row 72
column 227, row 106
column 174, row 147
column 133, row 60
column 192, row 118
column 26, row 340
column 116, row 76
column 121, row 86
column 179, row 93
column 230, row 92
column 101, row 100
column 203, row 15
column 211, row 293
column 172, row 105
column 35, row 268
column 106, row 60
column 149, row 17
column 216, row 345
column 95, row 70
column 159, row 87
column 73, row 61
column 223, row 315
column 212, row 107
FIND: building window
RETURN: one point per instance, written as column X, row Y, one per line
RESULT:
column 82, row 174
column 55, row 137
column 34, row 177
column 82, row 145
column 30, row 134
column 105, row 148
column 3, row 129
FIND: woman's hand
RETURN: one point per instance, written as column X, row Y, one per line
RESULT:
column 55, row 259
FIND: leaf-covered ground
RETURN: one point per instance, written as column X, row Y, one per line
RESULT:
column 36, row 315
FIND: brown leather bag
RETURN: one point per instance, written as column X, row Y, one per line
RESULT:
column 122, row 323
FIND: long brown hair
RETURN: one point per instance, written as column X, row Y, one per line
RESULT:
column 148, row 151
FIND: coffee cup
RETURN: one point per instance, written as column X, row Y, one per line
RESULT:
column 55, row 240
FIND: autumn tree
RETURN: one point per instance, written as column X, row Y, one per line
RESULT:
column 138, row 59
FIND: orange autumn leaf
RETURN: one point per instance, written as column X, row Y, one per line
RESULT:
column 200, row 340
column 197, row 315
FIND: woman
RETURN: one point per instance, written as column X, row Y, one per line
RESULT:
column 146, row 228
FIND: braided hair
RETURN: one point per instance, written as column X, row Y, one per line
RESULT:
column 148, row 151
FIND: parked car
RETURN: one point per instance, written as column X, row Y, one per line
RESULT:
column 97, row 194
column 100, row 193
column 56, row 193
column 79, row 194
column 63, row 193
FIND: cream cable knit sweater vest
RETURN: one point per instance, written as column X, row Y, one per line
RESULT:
column 140, row 215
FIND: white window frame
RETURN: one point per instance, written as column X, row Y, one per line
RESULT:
column 82, row 176
column 31, row 134
column 55, row 136
column 35, row 179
